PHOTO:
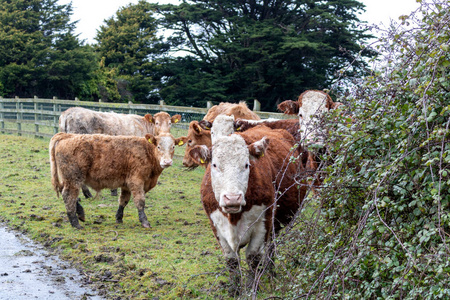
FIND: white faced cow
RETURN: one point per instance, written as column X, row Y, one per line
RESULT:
column 240, row 188
column 104, row 161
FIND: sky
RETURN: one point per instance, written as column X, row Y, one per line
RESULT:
column 92, row 13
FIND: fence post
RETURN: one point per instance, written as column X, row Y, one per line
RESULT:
column 256, row 105
column 36, row 119
column 2, row 106
column 18, row 117
column 209, row 104
column 55, row 119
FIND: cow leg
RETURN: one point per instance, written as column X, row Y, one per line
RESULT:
column 233, row 268
column 86, row 192
column 80, row 211
column 139, row 201
column 123, row 201
column 70, row 196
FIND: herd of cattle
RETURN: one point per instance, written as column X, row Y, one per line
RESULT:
column 251, row 187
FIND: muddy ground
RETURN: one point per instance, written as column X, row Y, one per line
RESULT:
column 28, row 271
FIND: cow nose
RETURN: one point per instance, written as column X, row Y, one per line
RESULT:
column 231, row 200
column 166, row 163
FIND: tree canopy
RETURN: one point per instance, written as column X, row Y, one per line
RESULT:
column 128, row 45
column 40, row 54
column 265, row 50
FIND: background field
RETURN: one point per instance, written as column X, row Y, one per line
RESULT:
column 177, row 258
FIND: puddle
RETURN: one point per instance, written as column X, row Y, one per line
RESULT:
column 28, row 271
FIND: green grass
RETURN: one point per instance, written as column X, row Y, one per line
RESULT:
column 177, row 258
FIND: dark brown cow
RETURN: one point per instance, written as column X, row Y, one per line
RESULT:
column 202, row 136
column 103, row 161
column 240, row 188
column 85, row 121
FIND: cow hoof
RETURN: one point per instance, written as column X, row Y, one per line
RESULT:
column 146, row 225
column 119, row 221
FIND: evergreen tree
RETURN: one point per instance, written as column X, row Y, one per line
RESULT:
column 40, row 54
column 268, row 50
column 128, row 44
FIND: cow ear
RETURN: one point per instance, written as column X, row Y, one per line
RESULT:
column 257, row 149
column 150, row 138
column 175, row 118
column 201, row 154
column 149, row 118
column 205, row 124
column 181, row 141
column 239, row 125
column 197, row 128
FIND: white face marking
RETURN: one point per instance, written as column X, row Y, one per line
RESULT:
column 250, row 230
column 230, row 169
column 223, row 125
column 166, row 149
column 313, row 107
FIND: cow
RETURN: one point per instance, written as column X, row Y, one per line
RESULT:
column 310, row 106
column 85, row 121
column 249, row 191
column 239, row 110
column 104, row 161
column 198, row 134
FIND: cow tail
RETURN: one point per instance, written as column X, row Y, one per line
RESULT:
column 53, row 167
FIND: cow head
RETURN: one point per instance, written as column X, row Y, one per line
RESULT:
column 162, row 121
column 223, row 125
column 229, row 160
column 196, row 136
column 164, row 147
column 289, row 107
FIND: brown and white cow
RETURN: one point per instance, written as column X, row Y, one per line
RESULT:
column 199, row 134
column 310, row 106
column 103, row 161
column 85, row 121
column 245, row 171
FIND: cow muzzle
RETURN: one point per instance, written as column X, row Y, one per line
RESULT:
column 165, row 163
column 232, row 203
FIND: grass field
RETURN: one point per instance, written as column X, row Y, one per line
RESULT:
column 177, row 258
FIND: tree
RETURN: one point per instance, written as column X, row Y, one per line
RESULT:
column 127, row 43
column 40, row 54
column 268, row 50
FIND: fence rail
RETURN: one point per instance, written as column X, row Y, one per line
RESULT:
column 39, row 117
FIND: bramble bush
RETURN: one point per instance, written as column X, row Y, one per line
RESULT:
column 381, row 229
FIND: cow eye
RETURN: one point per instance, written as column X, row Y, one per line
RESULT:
column 189, row 141
column 246, row 166
column 214, row 165
column 159, row 147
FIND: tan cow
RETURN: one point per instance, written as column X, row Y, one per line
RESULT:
column 104, row 161
column 199, row 134
column 85, row 121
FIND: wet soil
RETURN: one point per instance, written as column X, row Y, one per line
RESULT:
column 28, row 271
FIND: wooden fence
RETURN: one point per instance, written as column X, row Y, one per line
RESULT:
column 39, row 117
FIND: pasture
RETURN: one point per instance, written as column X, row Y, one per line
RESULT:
column 177, row 258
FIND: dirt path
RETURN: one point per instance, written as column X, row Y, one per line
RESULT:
column 28, row 271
